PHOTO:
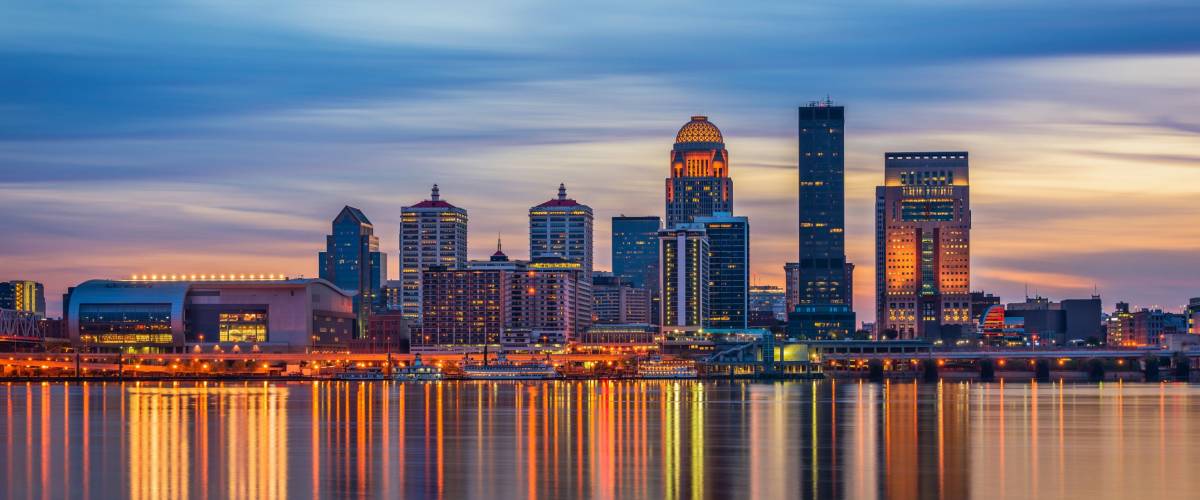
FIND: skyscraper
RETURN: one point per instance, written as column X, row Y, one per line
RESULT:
column 352, row 261
column 729, row 269
column 24, row 296
column 684, row 254
column 635, row 255
column 699, row 184
column 923, row 218
column 432, row 233
column 562, row 227
column 823, row 303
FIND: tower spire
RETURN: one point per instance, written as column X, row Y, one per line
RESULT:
column 562, row 191
column 499, row 249
column 434, row 195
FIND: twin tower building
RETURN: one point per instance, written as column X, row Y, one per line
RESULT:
column 695, row 268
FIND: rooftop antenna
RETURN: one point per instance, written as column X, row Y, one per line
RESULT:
column 498, row 247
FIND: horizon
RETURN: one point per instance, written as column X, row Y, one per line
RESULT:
column 229, row 143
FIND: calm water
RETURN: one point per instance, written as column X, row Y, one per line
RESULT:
column 599, row 440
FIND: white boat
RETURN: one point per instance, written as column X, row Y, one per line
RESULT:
column 418, row 372
column 660, row 368
column 503, row 369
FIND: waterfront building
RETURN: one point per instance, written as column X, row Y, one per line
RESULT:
column 621, row 335
column 1058, row 323
column 541, row 304
column 352, row 261
column 684, row 254
column 462, row 309
column 384, row 328
column 1119, row 327
column 619, row 302
column 552, row 300
column 699, row 185
column 635, row 255
column 923, row 226
column 432, row 233
column 824, row 308
column 562, row 227
column 24, row 296
column 186, row 313
column 728, row 269
column 768, row 305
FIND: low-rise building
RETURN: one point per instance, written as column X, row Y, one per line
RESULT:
column 177, row 314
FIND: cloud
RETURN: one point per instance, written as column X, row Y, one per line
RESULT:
column 219, row 137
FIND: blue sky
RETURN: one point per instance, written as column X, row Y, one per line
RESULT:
column 221, row 136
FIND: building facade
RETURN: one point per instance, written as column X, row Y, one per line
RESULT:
column 728, row 269
column 923, row 227
column 635, row 255
column 768, row 306
column 432, row 233
column 824, row 308
column 683, row 258
column 160, row 315
column 551, row 301
column 352, row 261
column 619, row 302
column 562, row 227
column 24, row 296
column 462, row 308
column 699, row 184
column 540, row 304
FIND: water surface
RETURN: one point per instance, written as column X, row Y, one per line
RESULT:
column 646, row 439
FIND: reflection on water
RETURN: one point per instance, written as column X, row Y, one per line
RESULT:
column 599, row 439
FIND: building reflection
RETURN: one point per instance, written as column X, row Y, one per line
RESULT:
column 228, row 442
column 604, row 439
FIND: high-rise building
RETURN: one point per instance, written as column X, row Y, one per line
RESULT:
column 551, row 301
column 352, row 261
column 699, row 185
column 544, row 302
column 684, row 254
column 562, row 227
column 618, row 301
column 432, row 233
column 824, row 303
column 635, row 255
column 462, row 309
column 923, row 260
column 23, row 295
column 728, row 269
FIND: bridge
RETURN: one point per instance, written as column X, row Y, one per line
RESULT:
column 20, row 327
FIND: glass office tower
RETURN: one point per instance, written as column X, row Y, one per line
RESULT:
column 352, row 261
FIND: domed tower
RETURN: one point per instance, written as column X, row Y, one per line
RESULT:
column 699, row 185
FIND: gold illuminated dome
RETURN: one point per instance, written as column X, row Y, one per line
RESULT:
column 699, row 130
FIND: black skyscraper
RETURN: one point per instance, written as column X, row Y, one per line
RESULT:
column 823, row 307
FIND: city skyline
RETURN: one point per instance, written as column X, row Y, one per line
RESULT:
column 1083, row 157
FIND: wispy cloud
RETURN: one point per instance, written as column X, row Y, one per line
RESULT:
column 222, row 137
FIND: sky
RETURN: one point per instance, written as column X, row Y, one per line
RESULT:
column 224, row 136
